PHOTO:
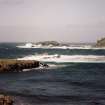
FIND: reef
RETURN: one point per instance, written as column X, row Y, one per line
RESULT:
column 10, row 65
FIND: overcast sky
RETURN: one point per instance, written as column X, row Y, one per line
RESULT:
column 60, row 20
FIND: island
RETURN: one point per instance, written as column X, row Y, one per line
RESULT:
column 48, row 43
column 100, row 43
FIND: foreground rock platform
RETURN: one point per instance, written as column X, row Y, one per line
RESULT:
column 11, row 65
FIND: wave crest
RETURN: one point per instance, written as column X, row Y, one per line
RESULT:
column 65, row 58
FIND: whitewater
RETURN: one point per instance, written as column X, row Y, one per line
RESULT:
column 65, row 58
column 72, row 46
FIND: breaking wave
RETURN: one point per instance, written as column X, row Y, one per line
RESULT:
column 29, row 45
column 65, row 58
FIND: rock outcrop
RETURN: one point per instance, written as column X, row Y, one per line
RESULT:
column 6, row 100
column 17, row 65
column 101, row 43
column 47, row 43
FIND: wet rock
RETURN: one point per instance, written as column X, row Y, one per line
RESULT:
column 44, row 65
column 6, row 100
column 16, row 65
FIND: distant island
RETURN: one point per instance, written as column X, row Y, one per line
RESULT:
column 51, row 43
column 44, row 44
column 100, row 43
column 47, row 43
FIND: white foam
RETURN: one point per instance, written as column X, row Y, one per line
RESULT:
column 51, row 66
column 30, row 45
column 65, row 58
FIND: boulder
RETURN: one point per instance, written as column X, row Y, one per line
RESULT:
column 6, row 100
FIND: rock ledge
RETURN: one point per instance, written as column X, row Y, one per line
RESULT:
column 10, row 65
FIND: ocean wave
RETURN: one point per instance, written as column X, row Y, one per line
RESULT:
column 62, row 47
column 65, row 47
column 65, row 58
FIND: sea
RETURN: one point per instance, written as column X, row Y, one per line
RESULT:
column 75, row 76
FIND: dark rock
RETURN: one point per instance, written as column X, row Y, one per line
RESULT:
column 47, row 43
column 44, row 65
column 16, row 65
column 6, row 100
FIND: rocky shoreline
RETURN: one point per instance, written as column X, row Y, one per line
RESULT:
column 10, row 65
column 6, row 100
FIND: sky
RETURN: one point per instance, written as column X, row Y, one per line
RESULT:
column 58, row 20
